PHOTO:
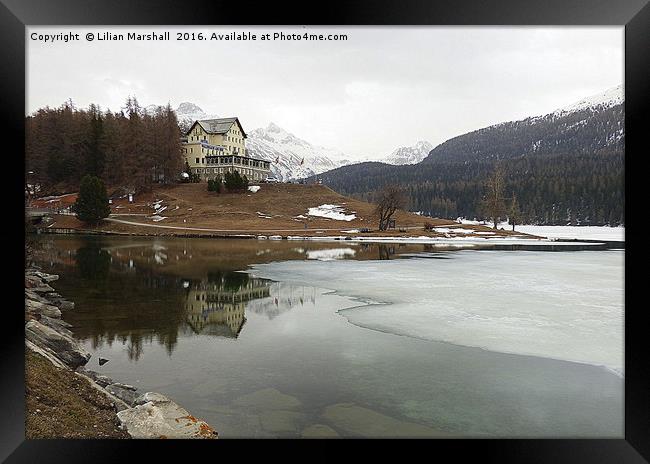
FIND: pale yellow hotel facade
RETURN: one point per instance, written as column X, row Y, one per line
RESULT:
column 212, row 147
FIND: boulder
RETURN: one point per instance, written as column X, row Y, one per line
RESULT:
column 126, row 393
column 42, row 275
column 63, row 304
column 56, row 324
column 35, row 296
column 33, row 306
column 42, row 288
column 99, row 379
column 156, row 416
column 62, row 346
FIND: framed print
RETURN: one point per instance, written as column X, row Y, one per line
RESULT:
column 370, row 220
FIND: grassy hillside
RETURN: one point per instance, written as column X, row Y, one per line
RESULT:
column 275, row 208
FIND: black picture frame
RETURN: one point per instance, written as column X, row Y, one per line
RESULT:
column 16, row 14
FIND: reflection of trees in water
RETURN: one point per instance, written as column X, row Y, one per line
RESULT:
column 93, row 262
column 385, row 251
column 118, row 301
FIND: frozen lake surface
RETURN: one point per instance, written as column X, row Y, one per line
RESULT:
column 533, row 303
column 615, row 234
column 354, row 340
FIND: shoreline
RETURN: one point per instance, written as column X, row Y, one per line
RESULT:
column 138, row 414
column 493, row 243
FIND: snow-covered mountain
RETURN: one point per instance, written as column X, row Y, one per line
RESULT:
column 409, row 155
column 290, row 156
column 187, row 113
column 600, row 101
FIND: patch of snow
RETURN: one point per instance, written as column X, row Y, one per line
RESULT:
column 330, row 254
column 335, row 212
column 253, row 188
column 157, row 218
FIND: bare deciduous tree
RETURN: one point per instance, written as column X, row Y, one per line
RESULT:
column 515, row 213
column 390, row 199
column 494, row 203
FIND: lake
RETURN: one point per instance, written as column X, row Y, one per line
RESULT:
column 292, row 338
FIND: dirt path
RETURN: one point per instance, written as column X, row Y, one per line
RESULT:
column 133, row 223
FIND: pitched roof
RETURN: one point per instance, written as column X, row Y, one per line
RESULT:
column 218, row 126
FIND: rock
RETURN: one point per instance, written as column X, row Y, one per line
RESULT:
column 126, row 393
column 56, row 324
column 59, row 301
column 156, row 416
column 37, row 307
column 364, row 422
column 276, row 421
column 62, row 346
column 99, row 379
column 102, row 361
column 42, row 275
column 42, row 308
column 35, row 296
column 125, row 386
column 268, row 398
column 47, row 277
column 43, row 288
column 32, row 281
column 65, row 305
column 319, row 431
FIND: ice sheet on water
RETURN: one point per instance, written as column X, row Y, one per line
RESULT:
column 616, row 234
column 565, row 306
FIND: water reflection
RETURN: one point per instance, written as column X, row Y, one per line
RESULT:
column 216, row 305
column 136, row 293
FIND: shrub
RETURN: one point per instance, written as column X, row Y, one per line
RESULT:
column 234, row 182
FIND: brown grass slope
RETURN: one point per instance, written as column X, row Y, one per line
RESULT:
column 275, row 208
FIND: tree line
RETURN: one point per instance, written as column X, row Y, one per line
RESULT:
column 560, row 168
column 549, row 190
column 132, row 148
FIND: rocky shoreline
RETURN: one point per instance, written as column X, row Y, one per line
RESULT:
column 141, row 415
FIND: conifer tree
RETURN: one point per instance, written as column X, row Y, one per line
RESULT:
column 92, row 203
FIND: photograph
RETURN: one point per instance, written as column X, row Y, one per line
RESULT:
column 344, row 231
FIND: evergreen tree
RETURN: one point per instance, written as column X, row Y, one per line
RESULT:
column 92, row 203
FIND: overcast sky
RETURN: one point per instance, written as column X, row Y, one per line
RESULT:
column 380, row 89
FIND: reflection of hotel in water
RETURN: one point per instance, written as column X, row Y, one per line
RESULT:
column 218, row 307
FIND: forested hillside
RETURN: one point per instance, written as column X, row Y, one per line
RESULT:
column 131, row 148
column 565, row 167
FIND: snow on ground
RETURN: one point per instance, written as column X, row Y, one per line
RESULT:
column 331, row 212
column 615, row 234
column 253, row 188
column 566, row 306
column 157, row 218
column 330, row 254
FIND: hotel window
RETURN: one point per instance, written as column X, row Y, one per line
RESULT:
column 197, row 161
